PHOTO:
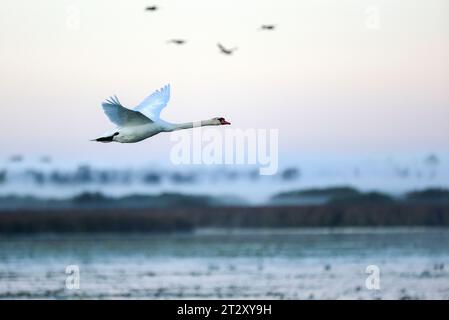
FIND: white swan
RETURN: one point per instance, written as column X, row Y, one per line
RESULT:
column 144, row 121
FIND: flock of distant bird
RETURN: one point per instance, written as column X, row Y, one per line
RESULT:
column 223, row 49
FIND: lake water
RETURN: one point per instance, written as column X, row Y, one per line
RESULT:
column 230, row 264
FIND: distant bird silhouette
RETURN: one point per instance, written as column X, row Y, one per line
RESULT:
column 226, row 51
column 177, row 41
column 267, row 27
column 151, row 8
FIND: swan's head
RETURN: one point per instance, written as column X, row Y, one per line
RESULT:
column 219, row 121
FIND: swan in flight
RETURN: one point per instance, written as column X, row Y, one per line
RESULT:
column 144, row 121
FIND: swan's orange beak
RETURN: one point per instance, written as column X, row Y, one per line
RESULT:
column 223, row 121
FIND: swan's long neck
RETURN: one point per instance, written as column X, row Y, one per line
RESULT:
column 190, row 125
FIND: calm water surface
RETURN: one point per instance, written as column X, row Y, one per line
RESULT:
column 229, row 264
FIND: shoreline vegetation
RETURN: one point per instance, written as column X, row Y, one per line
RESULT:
column 343, row 195
column 170, row 212
column 189, row 219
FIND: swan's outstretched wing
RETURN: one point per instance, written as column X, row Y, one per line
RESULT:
column 122, row 116
column 154, row 103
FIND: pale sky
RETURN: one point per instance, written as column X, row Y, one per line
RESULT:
column 326, row 78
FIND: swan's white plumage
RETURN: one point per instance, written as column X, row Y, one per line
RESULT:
column 121, row 116
column 152, row 106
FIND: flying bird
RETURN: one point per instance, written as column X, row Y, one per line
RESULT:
column 144, row 121
column 267, row 27
column 177, row 41
column 151, row 8
column 226, row 51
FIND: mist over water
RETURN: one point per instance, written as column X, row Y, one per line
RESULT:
column 53, row 178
